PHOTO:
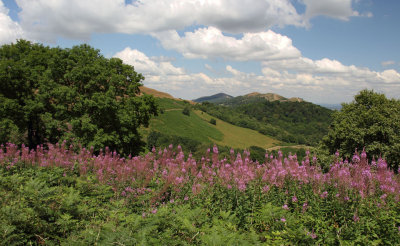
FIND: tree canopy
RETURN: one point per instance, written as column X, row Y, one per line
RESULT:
column 371, row 121
column 54, row 94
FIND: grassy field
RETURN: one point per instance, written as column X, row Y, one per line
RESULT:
column 197, row 126
column 173, row 122
column 238, row 137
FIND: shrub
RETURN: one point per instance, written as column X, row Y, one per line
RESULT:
column 186, row 111
column 213, row 121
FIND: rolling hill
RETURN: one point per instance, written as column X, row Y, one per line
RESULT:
column 217, row 98
column 196, row 128
column 255, row 121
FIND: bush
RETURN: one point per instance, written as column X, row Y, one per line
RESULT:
column 186, row 111
column 213, row 121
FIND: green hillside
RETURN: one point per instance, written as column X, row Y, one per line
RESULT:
column 288, row 121
column 239, row 137
column 195, row 129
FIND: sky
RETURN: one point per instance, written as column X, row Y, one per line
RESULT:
column 324, row 51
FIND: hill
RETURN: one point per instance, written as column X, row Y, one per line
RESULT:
column 257, row 97
column 289, row 121
column 217, row 98
column 149, row 91
column 194, row 131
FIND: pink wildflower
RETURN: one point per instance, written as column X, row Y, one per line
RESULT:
column 324, row 194
column 312, row 234
column 283, row 219
column 265, row 189
column 305, row 206
column 285, row 206
column 294, row 199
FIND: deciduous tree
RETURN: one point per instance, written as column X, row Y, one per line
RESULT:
column 371, row 121
column 53, row 94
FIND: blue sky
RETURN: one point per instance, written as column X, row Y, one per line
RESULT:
column 322, row 51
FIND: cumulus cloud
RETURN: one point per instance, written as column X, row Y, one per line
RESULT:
column 165, row 76
column 9, row 29
column 145, row 65
column 330, row 69
column 210, row 42
column 79, row 19
column 339, row 9
column 323, row 80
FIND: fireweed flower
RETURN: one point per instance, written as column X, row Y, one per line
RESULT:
column 312, row 234
column 285, row 206
column 356, row 158
column 305, row 206
column 215, row 149
column 324, row 194
column 283, row 219
column 294, row 199
column 265, row 189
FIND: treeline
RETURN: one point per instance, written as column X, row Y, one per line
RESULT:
column 292, row 122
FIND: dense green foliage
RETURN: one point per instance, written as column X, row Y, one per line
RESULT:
column 372, row 122
column 70, row 206
column 293, row 122
column 52, row 94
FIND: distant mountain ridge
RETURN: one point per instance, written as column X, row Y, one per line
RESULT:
column 222, row 98
column 217, row 98
column 274, row 97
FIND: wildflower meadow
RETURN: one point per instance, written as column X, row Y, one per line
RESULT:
column 55, row 195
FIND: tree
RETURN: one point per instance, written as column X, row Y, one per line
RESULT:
column 371, row 121
column 53, row 94
column 186, row 111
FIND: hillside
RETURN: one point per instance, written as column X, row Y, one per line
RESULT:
column 156, row 93
column 270, row 115
column 194, row 131
column 257, row 97
column 217, row 98
column 292, row 122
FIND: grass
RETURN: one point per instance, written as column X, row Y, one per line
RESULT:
column 197, row 126
column 238, row 137
column 173, row 122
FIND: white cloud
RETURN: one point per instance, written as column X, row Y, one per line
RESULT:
column 10, row 30
column 340, row 9
column 324, row 80
column 143, row 64
column 77, row 19
column 387, row 63
column 212, row 43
